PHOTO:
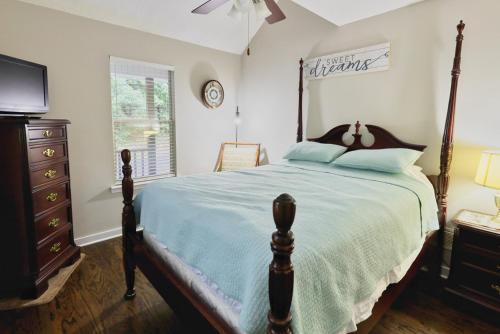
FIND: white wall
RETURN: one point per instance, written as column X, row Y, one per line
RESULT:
column 76, row 51
column 410, row 99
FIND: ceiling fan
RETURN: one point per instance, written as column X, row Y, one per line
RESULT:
column 267, row 9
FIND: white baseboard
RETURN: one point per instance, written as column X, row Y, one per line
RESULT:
column 98, row 237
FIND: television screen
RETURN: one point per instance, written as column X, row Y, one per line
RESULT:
column 23, row 86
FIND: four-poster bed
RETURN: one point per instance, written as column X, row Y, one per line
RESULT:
column 188, row 304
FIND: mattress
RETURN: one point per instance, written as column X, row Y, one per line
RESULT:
column 355, row 232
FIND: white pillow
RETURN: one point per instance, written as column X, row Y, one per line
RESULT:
column 389, row 160
column 312, row 151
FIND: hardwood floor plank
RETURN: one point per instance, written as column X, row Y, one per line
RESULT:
column 92, row 302
column 422, row 314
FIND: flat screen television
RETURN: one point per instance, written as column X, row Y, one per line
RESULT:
column 23, row 87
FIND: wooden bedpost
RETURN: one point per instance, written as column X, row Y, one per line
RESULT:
column 301, row 90
column 447, row 153
column 447, row 143
column 128, row 225
column 281, row 268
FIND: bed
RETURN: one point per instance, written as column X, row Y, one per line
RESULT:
column 202, row 240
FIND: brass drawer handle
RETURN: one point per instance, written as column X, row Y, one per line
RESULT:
column 52, row 197
column 55, row 247
column 54, row 222
column 50, row 174
column 495, row 287
column 48, row 152
column 47, row 133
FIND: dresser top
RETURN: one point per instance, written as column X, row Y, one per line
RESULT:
column 32, row 121
column 477, row 220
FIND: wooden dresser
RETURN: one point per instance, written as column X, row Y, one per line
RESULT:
column 36, row 231
column 474, row 280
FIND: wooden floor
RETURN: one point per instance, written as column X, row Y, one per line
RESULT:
column 92, row 302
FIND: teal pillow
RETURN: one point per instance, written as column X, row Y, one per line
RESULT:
column 390, row 160
column 312, row 151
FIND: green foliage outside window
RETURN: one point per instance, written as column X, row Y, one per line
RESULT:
column 131, row 116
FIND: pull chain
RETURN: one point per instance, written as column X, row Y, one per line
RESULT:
column 248, row 35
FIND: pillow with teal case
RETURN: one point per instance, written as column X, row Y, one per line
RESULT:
column 390, row 160
column 312, row 151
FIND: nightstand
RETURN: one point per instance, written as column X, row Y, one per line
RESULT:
column 474, row 279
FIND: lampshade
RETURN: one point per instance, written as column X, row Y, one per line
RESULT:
column 261, row 9
column 488, row 171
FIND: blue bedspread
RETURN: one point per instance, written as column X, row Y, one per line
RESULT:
column 351, row 228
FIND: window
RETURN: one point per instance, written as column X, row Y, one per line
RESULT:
column 143, row 118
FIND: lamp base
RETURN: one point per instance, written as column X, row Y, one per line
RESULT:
column 496, row 219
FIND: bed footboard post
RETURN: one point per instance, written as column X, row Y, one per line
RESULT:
column 281, row 268
column 128, row 225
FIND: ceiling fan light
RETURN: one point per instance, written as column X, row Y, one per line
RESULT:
column 261, row 9
column 235, row 13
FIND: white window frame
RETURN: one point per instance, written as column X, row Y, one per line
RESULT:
column 142, row 182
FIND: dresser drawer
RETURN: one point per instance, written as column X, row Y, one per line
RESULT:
column 53, row 248
column 480, row 240
column 488, row 262
column 485, row 283
column 46, row 133
column 51, row 223
column 40, row 176
column 50, row 197
column 47, row 152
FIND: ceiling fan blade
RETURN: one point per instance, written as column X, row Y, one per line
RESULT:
column 208, row 6
column 277, row 14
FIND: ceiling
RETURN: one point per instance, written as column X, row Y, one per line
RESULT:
column 173, row 18
column 341, row 12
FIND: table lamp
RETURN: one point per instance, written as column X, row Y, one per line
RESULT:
column 488, row 175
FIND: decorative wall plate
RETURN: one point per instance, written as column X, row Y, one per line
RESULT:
column 212, row 94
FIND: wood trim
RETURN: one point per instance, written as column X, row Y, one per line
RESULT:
column 281, row 268
column 300, row 130
column 220, row 156
column 128, row 225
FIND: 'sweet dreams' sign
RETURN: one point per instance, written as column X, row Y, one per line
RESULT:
column 370, row 59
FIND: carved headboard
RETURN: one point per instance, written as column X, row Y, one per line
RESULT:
column 382, row 138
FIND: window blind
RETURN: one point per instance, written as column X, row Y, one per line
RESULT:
column 142, row 104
